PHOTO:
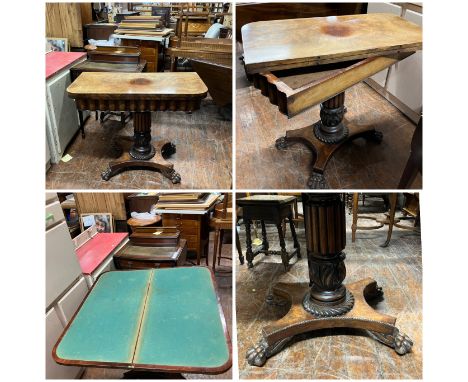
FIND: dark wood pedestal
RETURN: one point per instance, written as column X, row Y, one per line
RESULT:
column 326, row 302
column 326, row 136
column 139, row 152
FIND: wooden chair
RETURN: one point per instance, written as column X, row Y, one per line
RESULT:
column 221, row 221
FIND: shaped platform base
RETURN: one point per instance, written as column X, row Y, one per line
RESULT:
column 297, row 321
column 324, row 151
column 124, row 161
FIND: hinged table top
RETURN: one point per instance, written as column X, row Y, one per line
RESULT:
column 294, row 43
column 161, row 320
column 138, row 85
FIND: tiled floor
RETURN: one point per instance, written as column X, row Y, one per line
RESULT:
column 203, row 157
column 357, row 165
column 224, row 290
column 336, row 353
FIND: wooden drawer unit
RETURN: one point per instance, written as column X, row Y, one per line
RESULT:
column 149, row 52
column 193, row 228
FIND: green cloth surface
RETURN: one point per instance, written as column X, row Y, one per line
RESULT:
column 106, row 327
column 181, row 326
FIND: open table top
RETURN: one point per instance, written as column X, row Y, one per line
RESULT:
column 295, row 43
column 160, row 319
column 92, row 253
column 138, row 85
column 265, row 199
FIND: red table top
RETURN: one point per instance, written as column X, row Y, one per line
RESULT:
column 93, row 252
column 56, row 61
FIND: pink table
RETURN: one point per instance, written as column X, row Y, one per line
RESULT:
column 96, row 250
column 56, row 61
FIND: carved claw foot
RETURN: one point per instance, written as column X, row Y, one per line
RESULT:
column 106, row 174
column 282, row 143
column 317, row 181
column 172, row 175
column 249, row 264
column 168, row 149
column 257, row 355
column 274, row 300
column 373, row 292
column 402, row 343
column 374, row 136
column 116, row 149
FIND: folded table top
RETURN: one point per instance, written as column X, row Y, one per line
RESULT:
column 159, row 319
column 138, row 86
column 295, row 43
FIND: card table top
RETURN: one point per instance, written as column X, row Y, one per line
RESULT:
column 92, row 253
column 138, row 86
column 295, row 43
column 159, row 319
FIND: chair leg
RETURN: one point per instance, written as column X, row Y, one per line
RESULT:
column 220, row 246
column 239, row 249
column 391, row 218
column 215, row 248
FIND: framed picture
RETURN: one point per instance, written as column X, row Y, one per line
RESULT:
column 103, row 222
column 56, row 44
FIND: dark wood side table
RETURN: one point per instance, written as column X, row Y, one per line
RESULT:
column 274, row 209
column 140, row 94
column 325, row 302
column 331, row 55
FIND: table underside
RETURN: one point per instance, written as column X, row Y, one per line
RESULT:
column 160, row 320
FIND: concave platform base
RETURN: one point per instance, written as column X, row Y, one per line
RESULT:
column 323, row 151
column 297, row 321
column 124, row 161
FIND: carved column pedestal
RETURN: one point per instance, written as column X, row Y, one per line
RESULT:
column 139, row 152
column 326, row 302
column 326, row 136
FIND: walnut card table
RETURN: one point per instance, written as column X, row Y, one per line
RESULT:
column 160, row 320
column 141, row 94
column 298, row 63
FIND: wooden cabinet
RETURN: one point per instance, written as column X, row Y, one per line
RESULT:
column 149, row 51
column 193, row 228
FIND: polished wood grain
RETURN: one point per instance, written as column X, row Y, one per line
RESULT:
column 293, row 43
column 137, row 85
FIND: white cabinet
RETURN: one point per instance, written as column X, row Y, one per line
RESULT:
column 401, row 84
column 70, row 302
column 54, row 329
column 61, row 115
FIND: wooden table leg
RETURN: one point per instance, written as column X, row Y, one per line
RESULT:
column 80, row 117
column 326, row 136
column 248, row 239
column 294, row 235
column 220, row 247
column 139, row 152
column 391, row 218
column 284, row 254
column 265, row 243
column 215, row 247
column 355, row 210
column 239, row 248
column 325, row 302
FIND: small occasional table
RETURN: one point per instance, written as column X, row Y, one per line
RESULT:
column 143, row 257
column 141, row 94
column 157, row 320
column 325, row 302
column 269, row 208
column 299, row 63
